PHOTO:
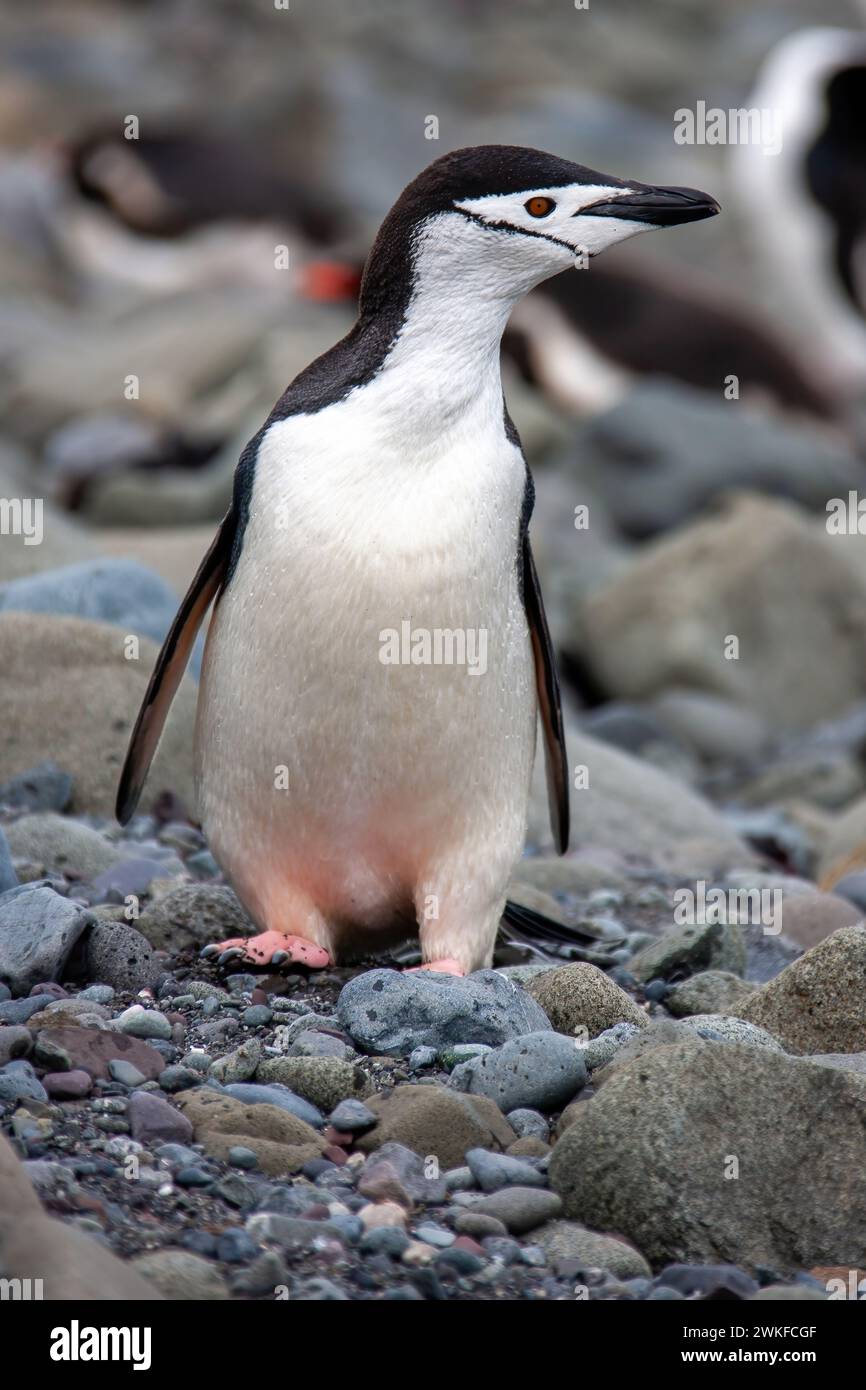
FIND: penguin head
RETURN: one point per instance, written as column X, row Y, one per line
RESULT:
column 511, row 217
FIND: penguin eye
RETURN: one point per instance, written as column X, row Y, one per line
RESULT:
column 539, row 207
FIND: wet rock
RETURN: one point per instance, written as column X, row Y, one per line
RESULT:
column 390, row 1014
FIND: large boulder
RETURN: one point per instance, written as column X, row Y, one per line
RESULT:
column 758, row 571
column 702, row 1153
column 68, row 693
column 818, row 1003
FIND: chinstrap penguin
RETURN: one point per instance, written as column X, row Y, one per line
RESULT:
column 352, row 798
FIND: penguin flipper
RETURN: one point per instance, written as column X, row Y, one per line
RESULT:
column 549, row 704
column 170, row 666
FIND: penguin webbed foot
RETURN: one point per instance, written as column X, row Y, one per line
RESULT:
column 446, row 966
column 270, row 948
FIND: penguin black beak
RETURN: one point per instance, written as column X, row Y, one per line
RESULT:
column 658, row 207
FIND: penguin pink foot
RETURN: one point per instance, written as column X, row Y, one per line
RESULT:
column 446, row 966
column 272, row 948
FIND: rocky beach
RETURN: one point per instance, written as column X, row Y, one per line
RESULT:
column 674, row 1110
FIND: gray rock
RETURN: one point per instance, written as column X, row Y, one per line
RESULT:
column 133, row 876
column 493, row 1171
column 41, row 788
column 652, row 433
column 139, row 1022
column 18, row 1011
column 18, row 1081
column 179, row 1275
column 352, row 1117
column 310, row 1042
column 389, row 1013
column 732, row 1154
column 757, row 568
column 239, row 1065
column 724, row 1028
column 119, row 955
column 152, row 1120
column 14, row 1042
column 529, row 1124
column 121, row 592
column 8, row 876
column 567, row 1240
column 817, row 1004
column 582, row 1001
column 194, row 914
column 125, row 1073
column 280, row 1096
column 38, row 931
column 520, row 1209
column 61, row 845
column 701, row 946
column 602, row 1049
column 540, row 1071
column 708, row 992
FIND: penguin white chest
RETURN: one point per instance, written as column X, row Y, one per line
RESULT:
column 367, row 707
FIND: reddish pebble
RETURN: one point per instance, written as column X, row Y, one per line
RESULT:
column 67, row 1085
column 54, row 991
column 319, row 1212
column 335, row 1154
column 467, row 1243
column 336, row 1136
column 258, row 996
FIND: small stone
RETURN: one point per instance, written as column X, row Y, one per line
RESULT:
column 541, row 1071
column 435, row 1235
column 520, row 1209
column 14, row 1042
column 180, row 1275
column 153, row 1120
column 239, row 1065
column 281, row 1097
column 582, row 1001
column 700, row 946
column 67, row 1085
column 240, row 1157
column 257, row 1016
column 138, row 1022
column 477, row 1223
column 236, row 1247
column 18, row 1081
column 493, row 1171
column 352, row 1117
column 377, row 1214
column 126, row 1073
column 179, row 1078
column 529, row 1124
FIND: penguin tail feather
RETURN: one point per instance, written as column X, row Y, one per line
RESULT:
column 527, row 930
